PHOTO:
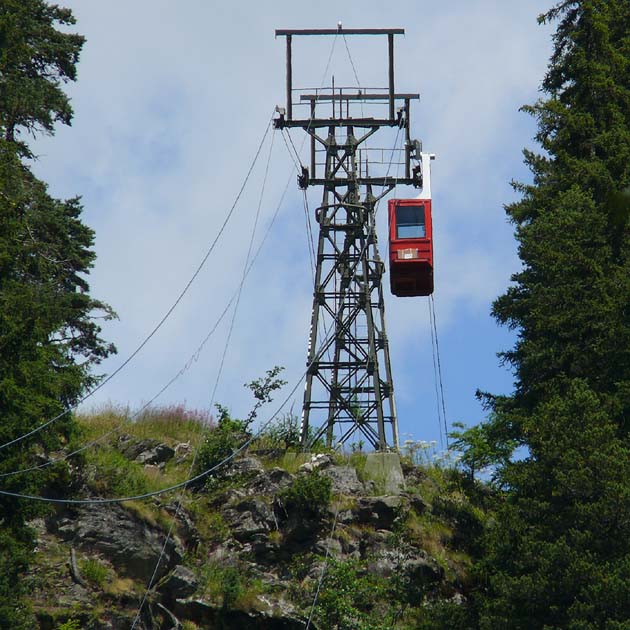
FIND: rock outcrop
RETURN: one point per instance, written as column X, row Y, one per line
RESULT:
column 130, row 544
column 232, row 555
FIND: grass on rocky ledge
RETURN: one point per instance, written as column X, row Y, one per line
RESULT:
column 109, row 473
column 438, row 518
column 440, row 527
column 170, row 424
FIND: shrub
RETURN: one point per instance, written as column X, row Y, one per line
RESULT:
column 211, row 525
column 466, row 519
column 230, row 434
column 95, row 572
column 283, row 432
column 221, row 441
column 227, row 583
column 262, row 388
column 308, row 494
column 231, row 587
column 358, row 460
column 352, row 599
column 300, row 566
column 116, row 475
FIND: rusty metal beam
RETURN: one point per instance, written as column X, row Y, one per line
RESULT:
column 340, row 31
column 357, row 97
column 390, row 42
column 289, row 80
column 317, row 123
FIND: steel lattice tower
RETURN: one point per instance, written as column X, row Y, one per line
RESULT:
column 349, row 380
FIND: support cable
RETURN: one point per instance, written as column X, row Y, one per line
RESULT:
column 240, row 287
column 310, row 121
column 309, row 235
column 310, row 239
column 389, row 166
column 320, row 582
column 181, row 484
column 435, row 377
column 193, row 359
column 164, row 318
column 439, row 365
column 292, row 154
column 354, row 70
column 295, row 151
column 321, row 85
column 297, row 162
column 216, row 384
column 356, row 76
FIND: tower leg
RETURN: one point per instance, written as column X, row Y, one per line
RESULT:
column 350, row 389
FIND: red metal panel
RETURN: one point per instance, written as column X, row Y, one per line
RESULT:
column 410, row 259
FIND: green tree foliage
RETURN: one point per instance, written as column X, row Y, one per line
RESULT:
column 569, row 301
column 49, row 334
column 283, row 432
column 49, row 337
column 559, row 554
column 15, row 554
column 35, row 60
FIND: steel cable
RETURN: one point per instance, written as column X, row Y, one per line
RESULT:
column 198, row 270
column 323, row 573
column 435, row 376
column 193, row 358
column 162, row 320
column 439, row 365
column 216, row 383
column 181, row 484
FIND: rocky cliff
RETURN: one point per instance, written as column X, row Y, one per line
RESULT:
column 269, row 543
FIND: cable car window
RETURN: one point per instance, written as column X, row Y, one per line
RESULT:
column 410, row 222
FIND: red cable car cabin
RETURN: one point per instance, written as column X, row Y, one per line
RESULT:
column 410, row 247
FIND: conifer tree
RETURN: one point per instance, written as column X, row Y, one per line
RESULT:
column 49, row 337
column 559, row 554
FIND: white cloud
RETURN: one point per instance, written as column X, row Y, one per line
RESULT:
column 170, row 106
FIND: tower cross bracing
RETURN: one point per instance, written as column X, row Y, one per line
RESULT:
column 349, row 392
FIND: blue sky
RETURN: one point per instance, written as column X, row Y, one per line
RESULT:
column 169, row 108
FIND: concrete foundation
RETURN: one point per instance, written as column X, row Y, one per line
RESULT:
column 385, row 471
